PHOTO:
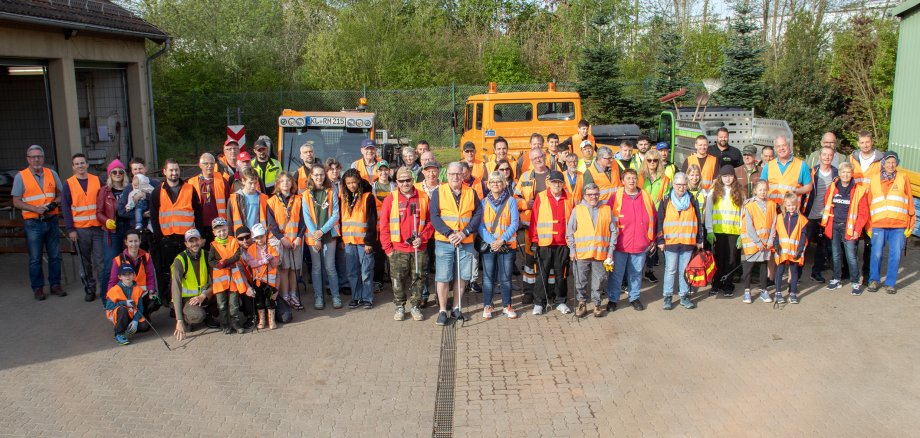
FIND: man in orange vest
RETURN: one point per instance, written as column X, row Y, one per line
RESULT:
column 37, row 193
column 228, row 162
column 79, row 210
column 213, row 191
column 708, row 163
column 529, row 185
column 477, row 168
column 367, row 164
column 456, row 212
column 174, row 209
column 590, row 235
column 867, row 162
column 576, row 142
column 551, row 212
column 892, row 215
column 786, row 173
column 603, row 173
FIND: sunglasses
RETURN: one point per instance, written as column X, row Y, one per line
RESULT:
column 243, row 237
column 404, row 181
column 505, row 169
column 118, row 172
column 653, row 161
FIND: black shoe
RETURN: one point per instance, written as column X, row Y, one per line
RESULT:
column 366, row 304
column 210, row 322
column 442, row 318
column 353, row 304
column 89, row 297
column 475, row 287
column 611, row 306
column 526, row 299
column 424, row 303
column 228, row 331
column 650, row 276
column 715, row 289
column 249, row 323
column 637, row 305
column 728, row 293
column 816, row 276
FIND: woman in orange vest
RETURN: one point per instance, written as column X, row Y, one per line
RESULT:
column 226, row 278
column 498, row 231
column 142, row 263
column 790, row 248
column 124, row 306
column 320, row 213
column 263, row 261
column 846, row 214
column 359, row 230
column 892, row 215
column 758, row 219
column 680, row 234
column 286, row 227
column 574, row 179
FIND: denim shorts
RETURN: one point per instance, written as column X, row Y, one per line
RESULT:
column 445, row 256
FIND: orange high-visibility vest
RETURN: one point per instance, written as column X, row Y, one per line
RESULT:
column 763, row 225
column 176, row 217
column 478, row 169
column 649, row 209
column 477, row 187
column 38, row 196
column 265, row 273
column 862, row 176
column 608, row 186
column 423, row 214
column 220, row 192
column 229, row 278
column 592, row 238
column 576, row 191
column 857, row 194
column 236, row 209
column 140, row 267
column 788, row 240
column 302, row 179
column 362, row 169
column 354, row 220
column 781, row 183
column 546, row 220
column 287, row 216
column 455, row 216
column 116, row 294
column 308, row 200
column 488, row 216
column 891, row 209
column 83, row 204
column 524, row 190
column 679, row 228
column 707, row 169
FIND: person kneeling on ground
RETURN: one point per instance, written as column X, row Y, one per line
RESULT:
column 191, row 282
column 124, row 306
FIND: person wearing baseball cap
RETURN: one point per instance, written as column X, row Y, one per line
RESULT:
column 382, row 185
column 748, row 173
column 664, row 151
column 891, row 213
column 124, row 306
column 477, row 167
column 367, row 164
column 549, row 217
column 191, row 280
column 267, row 167
column 226, row 161
column 588, row 150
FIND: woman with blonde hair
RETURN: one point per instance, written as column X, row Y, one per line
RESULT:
column 286, row 228
column 653, row 178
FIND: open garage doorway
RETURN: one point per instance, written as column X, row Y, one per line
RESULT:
column 25, row 116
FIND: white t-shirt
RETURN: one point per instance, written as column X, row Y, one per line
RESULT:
column 864, row 163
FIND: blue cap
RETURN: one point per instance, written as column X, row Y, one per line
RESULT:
column 661, row 145
column 368, row 143
column 891, row 154
column 125, row 269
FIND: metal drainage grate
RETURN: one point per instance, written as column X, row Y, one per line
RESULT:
column 444, row 398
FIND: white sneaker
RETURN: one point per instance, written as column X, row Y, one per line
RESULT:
column 562, row 308
column 537, row 309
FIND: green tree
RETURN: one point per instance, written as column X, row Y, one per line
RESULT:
column 601, row 87
column 742, row 69
column 670, row 65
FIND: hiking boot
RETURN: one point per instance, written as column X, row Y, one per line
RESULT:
column 793, row 299
column 58, row 290
column 88, row 297
column 416, row 313
column 611, row 306
column 400, row 313
column 816, row 276
column 637, row 305
column 487, row 312
column 873, row 286
column 442, row 318
column 666, row 304
column 537, row 309
column 598, row 310
column 685, row 301
column 563, row 308
column 249, row 323
column 834, row 284
column 509, row 312
column 778, row 299
column 650, row 276
column 319, row 304
column 891, row 290
column 747, row 296
column 271, row 319
column 857, row 290
column 765, row 296
column 353, row 304
column 581, row 310
column 121, row 339
column 527, row 299
column 39, row 293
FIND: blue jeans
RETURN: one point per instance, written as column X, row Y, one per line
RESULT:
column 496, row 271
column 849, row 249
column 894, row 238
column 360, row 268
column 45, row 235
column 631, row 265
column 320, row 259
column 675, row 263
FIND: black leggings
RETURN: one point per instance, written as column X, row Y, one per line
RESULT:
column 746, row 269
column 265, row 296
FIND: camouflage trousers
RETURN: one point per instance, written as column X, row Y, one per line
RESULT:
column 404, row 278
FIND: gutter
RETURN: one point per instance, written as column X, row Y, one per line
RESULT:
column 153, row 115
column 81, row 26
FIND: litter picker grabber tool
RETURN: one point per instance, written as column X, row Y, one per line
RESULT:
column 83, row 276
column 150, row 323
column 459, row 291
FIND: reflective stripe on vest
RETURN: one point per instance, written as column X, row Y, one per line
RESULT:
column 227, row 279
column 607, row 186
column 193, row 285
column 219, row 194
column 891, row 206
column 423, row 212
column 546, row 219
column 178, row 217
column 780, row 183
column 679, row 228
column 857, row 193
column 860, row 176
column 287, row 216
column 37, row 196
column 455, row 216
column 488, row 217
column 264, row 273
column 788, row 240
column 763, row 223
column 354, row 220
column 307, row 202
column 726, row 216
column 83, row 203
column 707, row 169
column 592, row 237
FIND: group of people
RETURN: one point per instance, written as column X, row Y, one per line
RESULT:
column 229, row 246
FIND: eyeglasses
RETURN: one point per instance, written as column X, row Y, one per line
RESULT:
column 592, row 194
column 680, row 185
column 454, row 174
column 404, row 181
column 653, row 161
column 118, row 172
column 505, row 169
column 34, row 157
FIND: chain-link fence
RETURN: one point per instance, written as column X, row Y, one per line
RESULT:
column 191, row 123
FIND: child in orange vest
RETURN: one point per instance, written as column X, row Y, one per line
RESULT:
column 790, row 247
column 263, row 260
column 124, row 306
column 227, row 279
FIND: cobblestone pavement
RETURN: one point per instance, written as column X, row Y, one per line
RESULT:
column 834, row 365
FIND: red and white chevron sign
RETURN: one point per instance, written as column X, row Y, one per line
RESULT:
column 237, row 133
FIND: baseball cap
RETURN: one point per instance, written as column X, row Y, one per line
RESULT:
column 586, row 143
column 555, row 175
column 242, row 230
column 230, row 141
column 382, row 163
column 726, row 169
column 368, row 143
column 749, row 150
column 431, row 164
column 662, row 145
column 469, row 146
column 891, row 154
column 218, row 222
column 192, row 233
column 404, row 172
column 262, row 142
column 258, row 230
column 244, row 156
column 125, row 269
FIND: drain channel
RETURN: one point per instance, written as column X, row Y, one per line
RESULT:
column 444, row 398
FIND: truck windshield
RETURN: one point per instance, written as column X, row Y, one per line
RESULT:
column 343, row 144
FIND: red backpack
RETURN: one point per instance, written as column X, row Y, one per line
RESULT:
column 701, row 269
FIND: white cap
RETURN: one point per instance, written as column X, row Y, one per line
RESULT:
column 192, row 233
column 258, row 230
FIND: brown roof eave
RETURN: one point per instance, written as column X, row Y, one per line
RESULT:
column 158, row 38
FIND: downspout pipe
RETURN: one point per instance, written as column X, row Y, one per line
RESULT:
column 153, row 114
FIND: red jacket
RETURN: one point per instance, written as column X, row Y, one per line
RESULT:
column 558, row 209
column 107, row 205
column 405, row 224
column 862, row 214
